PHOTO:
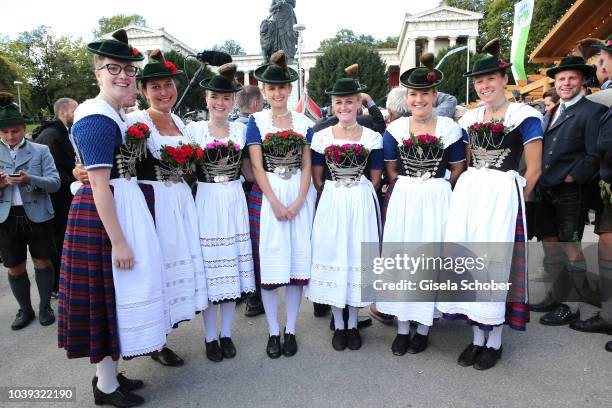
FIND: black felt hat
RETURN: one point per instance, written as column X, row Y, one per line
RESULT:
column 606, row 45
column 9, row 111
column 573, row 62
column 158, row 67
column 424, row 77
column 277, row 71
column 224, row 81
column 348, row 85
column 116, row 47
column 489, row 62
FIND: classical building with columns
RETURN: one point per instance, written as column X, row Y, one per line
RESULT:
column 430, row 30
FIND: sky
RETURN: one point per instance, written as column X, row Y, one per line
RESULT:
column 204, row 23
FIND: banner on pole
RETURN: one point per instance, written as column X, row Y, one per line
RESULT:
column 523, row 11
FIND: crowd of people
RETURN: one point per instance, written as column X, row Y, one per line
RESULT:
column 140, row 222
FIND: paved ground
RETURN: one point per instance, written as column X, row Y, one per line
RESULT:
column 544, row 367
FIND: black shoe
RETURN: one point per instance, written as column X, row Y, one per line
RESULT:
column 469, row 355
column 22, row 320
column 546, row 305
column 382, row 317
column 124, row 382
column 418, row 344
column 168, row 358
column 487, row 358
column 353, row 339
column 213, row 351
column 562, row 315
column 46, row 316
column 339, row 340
column 273, row 349
column 400, row 344
column 254, row 307
column 290, row 346
column 609, row 346
column 118, row 398
column 320, row 309
column 593, row 325
column 363, row 322
column 227, row 347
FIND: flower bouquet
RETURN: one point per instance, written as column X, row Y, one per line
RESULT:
column 346, row 162
column 421, row 155
column 221, row 161
column 283, row 152
column 178, row 161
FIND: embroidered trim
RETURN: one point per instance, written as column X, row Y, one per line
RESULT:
column 226, row 241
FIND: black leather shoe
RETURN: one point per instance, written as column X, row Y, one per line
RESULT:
column 400, row 344
column 353, row 339
column 227, row 347
column 320, row 309
column 546, row 305
column 119, row 398
column 418, row 344
column 290, row 346
column 363, row 322
column 254, row 307
column 46, row 316
column 124, row 382
column 562, row 315
column 273, row 349
column 22, row 320
column 593, row 325
column 213, row 351
column 609, row 346
column 339, row 340
column 168, row 358
column 468, row 356
column 487, row 358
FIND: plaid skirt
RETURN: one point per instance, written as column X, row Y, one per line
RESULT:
column 254, row 203
column 87, row 320
column 517, row 313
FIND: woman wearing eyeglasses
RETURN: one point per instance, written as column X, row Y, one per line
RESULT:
column 111, row 302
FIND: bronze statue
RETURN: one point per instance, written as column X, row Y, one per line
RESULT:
column 276, row 31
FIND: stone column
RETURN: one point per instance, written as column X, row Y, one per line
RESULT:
column 472, row 44
column 431, row 45
column 306, row 75
column 411, row 53
column 245, row 76
column 452, row 41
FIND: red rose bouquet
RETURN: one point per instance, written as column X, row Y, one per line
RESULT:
column 136, row 139
column 351, row 151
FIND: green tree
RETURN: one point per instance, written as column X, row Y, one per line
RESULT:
column 52, row 68
column 389, row 42
column 499, row 21
column 194, row 101
column 110, row 24
column 347, row 36
column 330, row 66
column 231, row 47
column 453, row 68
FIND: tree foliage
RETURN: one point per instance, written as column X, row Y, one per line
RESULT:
column 347, row 36
column 230, row 46
column 499, row 20
column 330, row 66
column 453, row 68
column 110, row 24
column 51, row 68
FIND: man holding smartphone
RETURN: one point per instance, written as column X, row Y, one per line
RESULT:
column 27, row 176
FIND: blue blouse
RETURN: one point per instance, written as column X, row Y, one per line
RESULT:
column 97, row 136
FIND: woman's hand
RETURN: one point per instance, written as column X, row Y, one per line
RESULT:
column 280, row 211
column 123, row 256
column 294, row 208
column 80, row 174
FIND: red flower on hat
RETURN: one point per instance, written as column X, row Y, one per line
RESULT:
column 609, row 43
column 431, row 77
column 503, row 64
column 136, row 52
column 171, row 67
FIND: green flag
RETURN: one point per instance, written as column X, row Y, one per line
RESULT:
column 523, row 11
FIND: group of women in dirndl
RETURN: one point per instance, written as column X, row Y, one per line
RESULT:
column 142, row 254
